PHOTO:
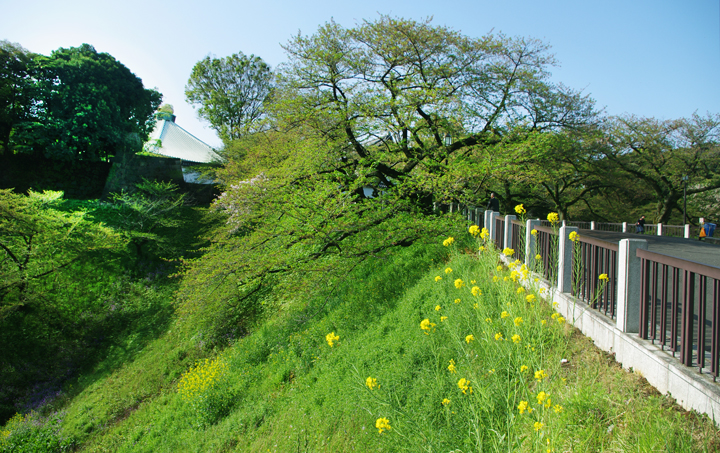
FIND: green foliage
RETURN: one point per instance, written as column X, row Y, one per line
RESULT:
column 33, row 434
column 15, row 79
column 88, row 106
column 231, row 92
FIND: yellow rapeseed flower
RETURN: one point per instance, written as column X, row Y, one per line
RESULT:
column 438, row 278
column 557, row 408
column 538, row 426
column 476, row 291
column 516, row 339
column 382, row 424
column 553, row 218
column 499, row 268
column 459, row 283
column 445, row 401
column 504, row 315
column 541, row 397
column 530, row 297
column 508, row 251
column 522, row 407
column 523, row 368
column 520, row 290
column 449, row 241
column 496, row 279
column 457, row 301
column 518, row 321
column 533, row 232
column 427, row 326
column 203, row 376
column 443, row 318
column 475, row 306
column 603, row 277
column 488, row 320
column 520, row 209
column 371, row 383
column 472, row 282
column 469, row 338
column 331, row 338
column 481, row 249
column 474, row 230
column 437, row 307
column 484, row 233
column 448, row 270
column 538, row 257
column 498, row 337
column 543, row 322
column 540, row 375
column 561, row 320
column 464, row 385
column 452, row 367
column 573, row 236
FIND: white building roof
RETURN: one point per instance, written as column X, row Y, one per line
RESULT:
column 179, row 143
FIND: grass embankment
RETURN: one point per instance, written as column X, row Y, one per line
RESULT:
column 417, row 352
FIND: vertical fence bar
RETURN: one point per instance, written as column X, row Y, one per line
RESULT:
column 675, row 310
column 643, row 298
column 715, row 337
column 663, row 306
column 686, row 333
column 702, row 302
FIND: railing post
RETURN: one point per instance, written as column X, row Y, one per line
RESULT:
column 659, row 229
column 530, row 241
column 624, row 227
column 687, row 231
column 592, row 224
column 628, row 285
column 565, row 250
column 508, row 231
column 490, row 223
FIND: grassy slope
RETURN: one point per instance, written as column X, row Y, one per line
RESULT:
column 285, row 389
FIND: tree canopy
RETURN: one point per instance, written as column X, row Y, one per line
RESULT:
column 230, row 92
column 86, row 105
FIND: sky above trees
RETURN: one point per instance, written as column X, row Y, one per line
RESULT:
column 648, row 58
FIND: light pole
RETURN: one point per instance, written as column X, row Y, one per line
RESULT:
column 685, row 180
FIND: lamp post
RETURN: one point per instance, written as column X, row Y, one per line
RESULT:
column 448, row 140
column 685, row 180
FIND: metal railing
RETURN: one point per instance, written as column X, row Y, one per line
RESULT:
column 517, row 241
column 500, row 232
column 680, row 308
column 611, row 227
column 547, row 247
column 594, row 258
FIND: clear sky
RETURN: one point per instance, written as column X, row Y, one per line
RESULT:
column 657, row 58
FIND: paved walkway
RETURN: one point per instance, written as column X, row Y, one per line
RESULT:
column 687, row 249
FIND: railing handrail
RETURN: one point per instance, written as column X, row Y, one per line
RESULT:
column 599, row 242
column 692, row 266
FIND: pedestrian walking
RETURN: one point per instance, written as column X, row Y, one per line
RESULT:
column 493, row 204
column 640, row 225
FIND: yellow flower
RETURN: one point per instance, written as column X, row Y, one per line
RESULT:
column 498, row 337
column 472, row 282
column 555, row 315
column 427, row 326
column 437, row 307
column 488, row 320
column 475, row 306
column 561, row 320
column 484, row 233
column 520, row 290
column 522, row 407
column 476, row 291
column 496, row 279
column 382, row 424
column 520, row 209
column 499, row 268
column 573, row 236
column 508, row 251
column 542, row 290
column 445, row 402
column 553, row 218
column 448, row 270
column 516, row 339
column 555, row 304
column 543, row 322
column 518, row 321
column 464, row 385
column 449, row 241
column 481, row 249
column 438, row 278
column 523, row 368
column 457, row 301
column 538, row 426
column 540, row 375
column 371, row 383
column 538, row 257
column 443, row 318
column 504, row 315
column 541, row 397
column 603, row 277
column 452, row 367
column 530, row 297
column 459, row 283
column 474, row 230
column 533, row 232
column 469, row 338
column 558, row 408
column 331, row 338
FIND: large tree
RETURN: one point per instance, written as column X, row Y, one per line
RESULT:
column 659, row 154
column 231, row 92
column 15, row 83
column 370, row 125
column 88, row 106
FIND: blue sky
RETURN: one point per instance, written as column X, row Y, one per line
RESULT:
column 657, row 58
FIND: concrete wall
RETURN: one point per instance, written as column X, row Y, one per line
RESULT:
column 127, row 171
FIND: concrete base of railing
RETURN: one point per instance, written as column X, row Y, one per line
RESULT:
column 691, row 389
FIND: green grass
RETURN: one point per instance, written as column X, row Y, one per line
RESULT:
column 283, row 388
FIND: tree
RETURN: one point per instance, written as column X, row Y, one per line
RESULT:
column 358, row 149
column 231, row 92
column 658, row 154
column 89, row 106
column 15, row 82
